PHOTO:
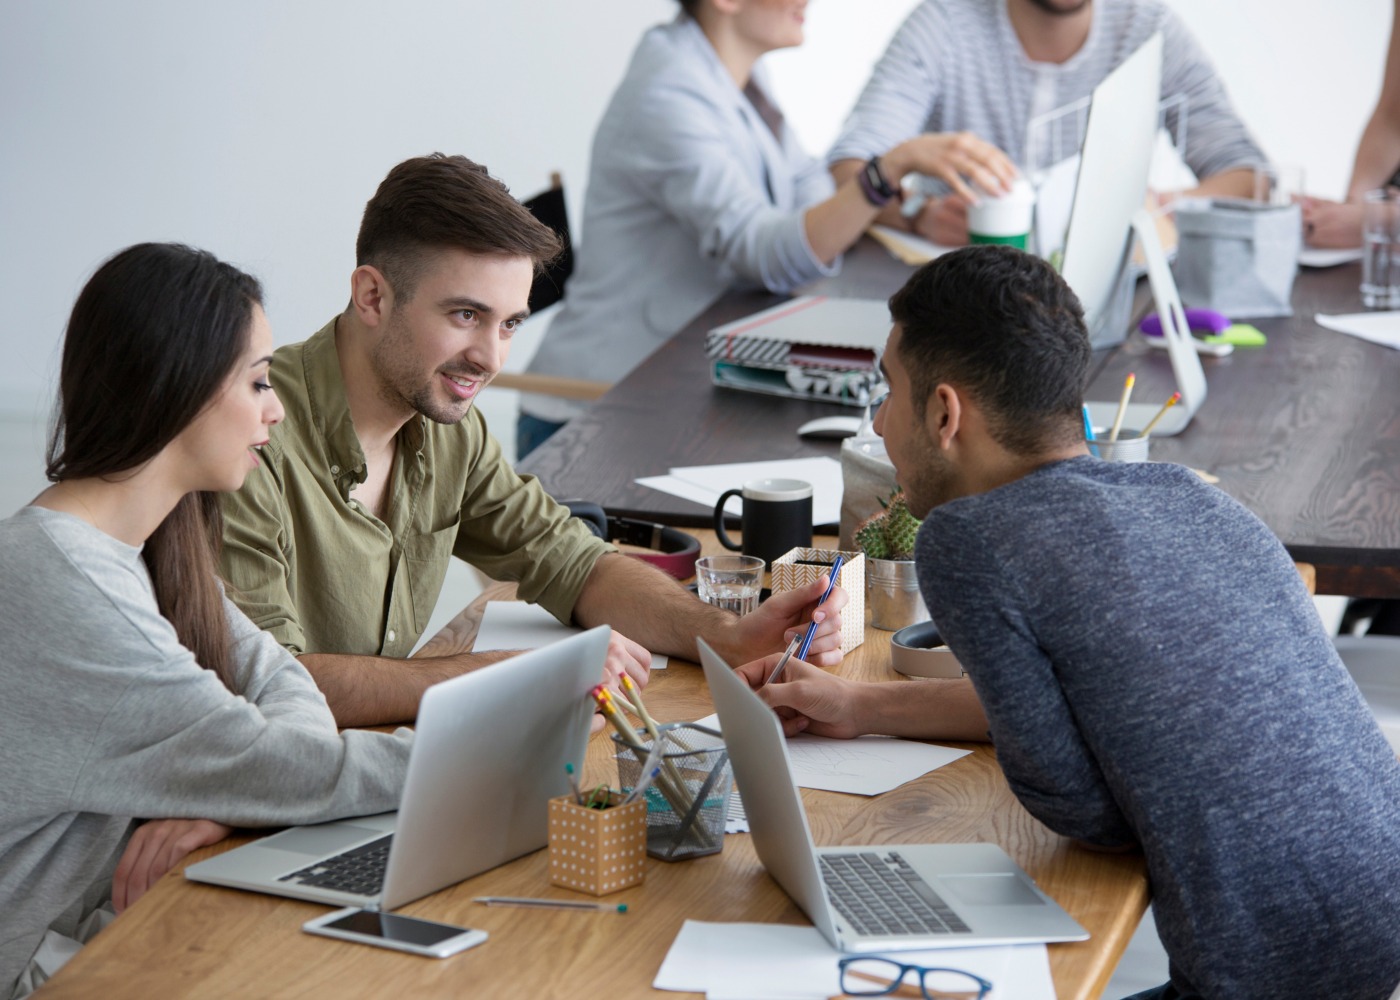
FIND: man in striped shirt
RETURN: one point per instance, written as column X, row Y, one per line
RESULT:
column 990, row 67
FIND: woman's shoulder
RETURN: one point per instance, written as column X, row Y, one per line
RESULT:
column 673, row 63
column 56, row 564
column 39, row 542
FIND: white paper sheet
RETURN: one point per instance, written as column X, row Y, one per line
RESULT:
column 781, row 962
column 869, row 765
column 1377, row 327
column 517, row 625
column 736, row 820
column 1319, row 257
column 916, row 248
column 703, row 484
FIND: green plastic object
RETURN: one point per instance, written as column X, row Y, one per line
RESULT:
column 1241, row 335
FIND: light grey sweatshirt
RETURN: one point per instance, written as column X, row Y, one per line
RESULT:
column 106, row 717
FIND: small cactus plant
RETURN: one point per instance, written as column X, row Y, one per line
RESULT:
column 890, row 533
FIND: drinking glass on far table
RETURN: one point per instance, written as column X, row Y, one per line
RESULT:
column 731, row 582
column 1380, row 263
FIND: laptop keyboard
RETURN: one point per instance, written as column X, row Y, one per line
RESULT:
column 884, row 895
column 359, row 870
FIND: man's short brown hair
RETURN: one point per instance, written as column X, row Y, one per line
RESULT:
column 439, row 202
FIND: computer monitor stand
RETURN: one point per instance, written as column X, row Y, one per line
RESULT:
column 1186, row 363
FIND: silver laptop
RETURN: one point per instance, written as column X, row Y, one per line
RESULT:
column 488, row 756
column 878, row 897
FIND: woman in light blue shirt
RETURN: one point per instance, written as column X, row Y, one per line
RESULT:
column 697, row 185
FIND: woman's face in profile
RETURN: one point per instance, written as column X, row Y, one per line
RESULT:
column 219, row 448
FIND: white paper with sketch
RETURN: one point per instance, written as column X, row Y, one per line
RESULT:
column 517, row 625
column 782, row 962
column 868, row 765
column 1378, row 327
column 703, row 484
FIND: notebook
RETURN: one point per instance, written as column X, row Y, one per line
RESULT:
column 809, row 347
column 488, row 756
column 879, row 897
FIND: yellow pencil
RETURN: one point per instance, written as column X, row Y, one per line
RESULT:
column 1122, row 407
column 1176, row 398
column 672, row 785
column 629, row 688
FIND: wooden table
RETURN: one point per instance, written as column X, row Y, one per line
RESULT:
column 1305, row 432
column 189, row 940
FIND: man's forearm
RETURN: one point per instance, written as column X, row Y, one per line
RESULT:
column 931, row 709
column 379, row 691
column 650, row 608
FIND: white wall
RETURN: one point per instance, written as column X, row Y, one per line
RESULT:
column 259, row 130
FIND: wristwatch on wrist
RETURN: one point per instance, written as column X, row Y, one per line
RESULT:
column 875, row 185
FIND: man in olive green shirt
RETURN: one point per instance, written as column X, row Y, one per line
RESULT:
column 381, row 471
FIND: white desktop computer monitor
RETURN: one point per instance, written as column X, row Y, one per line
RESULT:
column 1108, row 211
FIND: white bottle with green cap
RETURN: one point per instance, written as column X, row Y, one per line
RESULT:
column 1004, row 219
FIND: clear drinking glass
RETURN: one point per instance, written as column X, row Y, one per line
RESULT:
column 731, row 582
column 1380, row 261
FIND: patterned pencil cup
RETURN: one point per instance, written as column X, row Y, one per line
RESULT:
column 597, row 851
column 801, row 566
column 686, row 802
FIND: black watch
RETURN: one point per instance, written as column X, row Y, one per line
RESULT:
column 875, row 185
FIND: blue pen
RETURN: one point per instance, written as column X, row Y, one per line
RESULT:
column 1089, row 432
column 812, row 628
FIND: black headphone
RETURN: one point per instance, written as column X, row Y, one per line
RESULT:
column 675, row 553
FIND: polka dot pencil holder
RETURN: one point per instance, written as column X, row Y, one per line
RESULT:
column 597, row 851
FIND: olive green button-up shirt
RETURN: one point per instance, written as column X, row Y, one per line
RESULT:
column 325, row 575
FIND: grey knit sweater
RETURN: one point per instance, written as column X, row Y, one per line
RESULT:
column 106, row 717
column 1154, row 672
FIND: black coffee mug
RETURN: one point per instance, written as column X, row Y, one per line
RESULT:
column 777, row 517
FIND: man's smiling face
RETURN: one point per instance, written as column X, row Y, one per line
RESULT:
column 441, row 347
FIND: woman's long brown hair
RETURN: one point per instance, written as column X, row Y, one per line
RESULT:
column 153, row 339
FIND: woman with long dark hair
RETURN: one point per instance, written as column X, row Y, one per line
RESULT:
column 129, row 685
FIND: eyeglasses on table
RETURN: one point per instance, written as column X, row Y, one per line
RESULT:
column 864, row 976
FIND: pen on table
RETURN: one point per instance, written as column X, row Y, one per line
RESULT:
column 1175, row 398
column 1089, row 431
column 1122, row 406
column 551, row 904
column 782, row 661
column 812, row 628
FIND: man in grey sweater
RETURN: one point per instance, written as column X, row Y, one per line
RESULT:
column 1144, row 653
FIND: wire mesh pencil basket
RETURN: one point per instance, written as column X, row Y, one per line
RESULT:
column 687, row 798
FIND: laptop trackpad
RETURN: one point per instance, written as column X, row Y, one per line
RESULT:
column 318, row 839
column 991, row 890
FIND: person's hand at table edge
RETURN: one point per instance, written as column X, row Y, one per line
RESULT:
column 807, row 698
column 156, row 847
column 789, row 613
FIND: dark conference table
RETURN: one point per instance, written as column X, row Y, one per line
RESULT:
column 1305, row 431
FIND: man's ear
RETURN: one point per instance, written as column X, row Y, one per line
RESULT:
column 944, row 415
column 370, row 295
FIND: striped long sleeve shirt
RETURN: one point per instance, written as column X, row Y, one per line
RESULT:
column 957, row 65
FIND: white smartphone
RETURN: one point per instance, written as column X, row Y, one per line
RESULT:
column 390, row 930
